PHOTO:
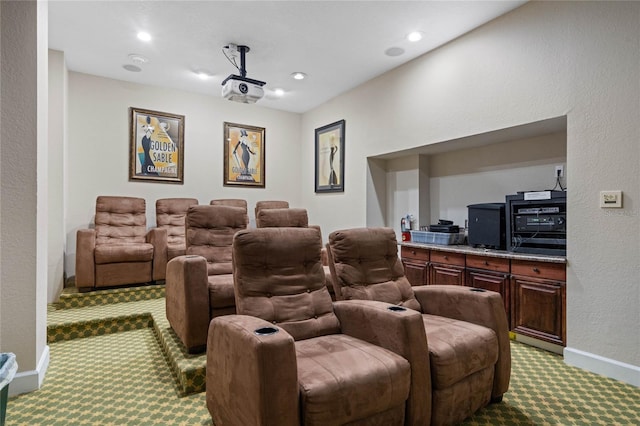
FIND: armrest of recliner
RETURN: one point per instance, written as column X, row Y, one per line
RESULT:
column 252, row 374
column 85, row 260
column 158, row 239
column 187, row 300
column 399, row 330
column 477, row 306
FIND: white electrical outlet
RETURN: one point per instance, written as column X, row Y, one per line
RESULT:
column 611, row 199
column 559, row 172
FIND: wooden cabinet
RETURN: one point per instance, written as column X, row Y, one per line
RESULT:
column 533, row 291
column 489, row 273
column 538, row 300
column 446, row 268
column 416, row 265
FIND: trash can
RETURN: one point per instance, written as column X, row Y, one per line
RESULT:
column 8, row 368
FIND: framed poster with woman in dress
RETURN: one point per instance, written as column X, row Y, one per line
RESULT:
column 330, row 157
column 244, row 155
column 157, row 146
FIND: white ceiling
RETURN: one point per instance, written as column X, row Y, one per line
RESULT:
column 339, row 44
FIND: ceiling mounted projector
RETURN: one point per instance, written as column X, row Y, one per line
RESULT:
column 239, row 88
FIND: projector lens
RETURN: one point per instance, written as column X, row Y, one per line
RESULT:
column 243, row 88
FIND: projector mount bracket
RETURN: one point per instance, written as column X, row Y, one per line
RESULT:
column 242, row 68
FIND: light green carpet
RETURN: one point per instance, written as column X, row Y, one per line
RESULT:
column 114, row 379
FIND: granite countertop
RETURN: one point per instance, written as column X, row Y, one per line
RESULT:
column 487, row 252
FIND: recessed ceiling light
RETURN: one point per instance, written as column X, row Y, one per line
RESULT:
column 203, row 75
column 144, row 36
column 414, row 36
column 298, row 75
column 138, row 59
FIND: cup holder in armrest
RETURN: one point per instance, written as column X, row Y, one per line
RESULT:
column 479, row 290
column 265, row 331
column 396, row 309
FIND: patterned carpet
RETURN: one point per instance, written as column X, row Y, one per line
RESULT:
column 122, row 374
column 110, row 311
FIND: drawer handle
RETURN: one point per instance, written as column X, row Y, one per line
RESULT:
column 486, row 263
column 413, row 252
column 536, row 270
column 446, row 257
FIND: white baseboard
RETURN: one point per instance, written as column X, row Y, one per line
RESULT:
column 604, row 366
column 28, row 381
column 550, row 347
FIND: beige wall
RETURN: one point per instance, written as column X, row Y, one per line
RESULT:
column 487, row 174
column 443, row 184
column 23, row 194
column 98, row 146
column 543, row 60
column 56, row 170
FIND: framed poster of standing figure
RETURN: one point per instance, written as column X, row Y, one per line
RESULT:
column 157, row 146
column 243, row 155
column 330, row 157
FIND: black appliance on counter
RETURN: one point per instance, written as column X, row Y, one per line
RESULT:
column 537, row 222
column 487, row 226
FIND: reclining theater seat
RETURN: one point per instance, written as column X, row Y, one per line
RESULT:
column 170, row 214
column 466, row 328
column 119, row 251
column 292, row 357
column 233, row 202
column 296, row 218
column 282, row 218
column 268, row 204
column 199, row 285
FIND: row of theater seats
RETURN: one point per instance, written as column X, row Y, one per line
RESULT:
column 385, row 353
column 190, row 248
column 280, row 351
column 121, row 251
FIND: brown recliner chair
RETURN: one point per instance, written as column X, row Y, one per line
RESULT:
column 293, row 357
column 170, row 214
column 466, row 328
column 199, row 285
column 119, row 250
column 296, row 218
column 233, row 202
column 282, row 217
column 268, row 204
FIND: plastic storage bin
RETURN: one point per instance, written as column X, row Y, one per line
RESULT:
column 441, row 238
column 8, row 368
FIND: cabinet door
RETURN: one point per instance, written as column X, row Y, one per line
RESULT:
column 443, row 274
column 538, row 308
column 416, row 272
column 492, row 281
column 415, row 261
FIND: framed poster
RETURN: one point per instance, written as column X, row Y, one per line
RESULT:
column 330, row 157
column 243, row 155
column 157, row 146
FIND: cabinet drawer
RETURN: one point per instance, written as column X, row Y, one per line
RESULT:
column 552, row 271
column 447, row 258
column 441, row 274
column 488, row 263
column 414, row 253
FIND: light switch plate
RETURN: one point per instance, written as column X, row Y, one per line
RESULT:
column 611, row 199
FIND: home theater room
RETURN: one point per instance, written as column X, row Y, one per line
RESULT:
column 319, row 212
